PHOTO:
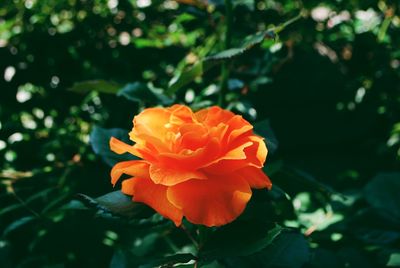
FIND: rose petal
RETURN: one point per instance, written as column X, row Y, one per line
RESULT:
column 137, row 168
column 255, row 156
column 237, row 127
column 121, row 147
column 258, row 153
column 153, row 195
column 255, row 177
column 213, row 202
column 192, row 160
column 181, row 114
column 170, row 176
column 213, row 116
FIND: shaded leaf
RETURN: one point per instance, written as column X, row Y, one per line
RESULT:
column 289, row 250
column 102, row 86
column 120, row 260
column 141, row 92
column 100, row 138
column 377, row 236
column 17, row 224
column 310, row 182
column 263, row 128
column 382, row 193
column 170, row 260
column 188, row 75
column 114, row 203
column 324, row 258
column 239, row 239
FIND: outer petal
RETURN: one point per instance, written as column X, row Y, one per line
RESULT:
column 213, row 202
column 213, row 116
column 237, row 126
column 120, row 147
column 255, row 177
column 137, row 168
column 258, row 156
column 171, row 176
column 153, row 195
column 254, row 156
column 152, row 122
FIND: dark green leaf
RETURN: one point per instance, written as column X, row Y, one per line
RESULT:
column 289, row 250
column 310, row 182
column 377, row 236
column 169, row 260
column 114, row 203
column 102, row 86
column 199, row 68
column 120, row 260
column 141, row 92
column 188, row 75
column 263, row 128
column 100, row 138
column 324, row 258
column 239, row 239
column 17, row 224
column 249, row 42
column 382, row 193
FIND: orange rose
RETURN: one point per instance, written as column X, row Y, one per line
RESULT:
column 199, row 165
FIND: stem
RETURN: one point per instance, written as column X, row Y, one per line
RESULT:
column 226, row 45
column 282, row 26
column 189, row 235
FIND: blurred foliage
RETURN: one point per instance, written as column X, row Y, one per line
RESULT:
column 75, row 72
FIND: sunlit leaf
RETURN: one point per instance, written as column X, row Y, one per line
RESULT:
column 394, row 260
column 199, row 68
column 112, row 204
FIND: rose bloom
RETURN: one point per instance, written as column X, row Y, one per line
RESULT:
column 201, row 165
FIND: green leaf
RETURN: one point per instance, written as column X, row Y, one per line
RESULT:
column 199, row 68
column 170, row 260
column 202, row 66
column 310, row 182
column 102, row 86
column 239, row 239
column 249, row 42
column 289, row 250
column 382, row 193
column 100, row 138
column 394, row 260
column 146, row 93
column 115, row 203
column 17, row 224
column 263, row 128
column 188, row 75
column 377, row 236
